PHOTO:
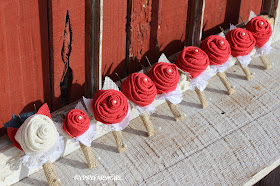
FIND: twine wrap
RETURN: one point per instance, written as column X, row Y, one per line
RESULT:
column 246, row 71
column 119, row 141
column 109, row 106
column 165, row 76
column 148, row 124
column 76, row 123
column 51, row 174
column 226, row 83
column 37, row 134
column 260, row 29
column 266, row 62
column 241, row 42
column 192, row 60
column 90, row 158
column 202, row 98
column 139, row 89
column 175, row 111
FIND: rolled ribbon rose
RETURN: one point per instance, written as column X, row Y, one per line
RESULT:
column 76, row 123
column 217, row 48
column 192, row 60
column 139, row 89
column 241, row 42
column 109, row 106
column 37, row 134
column 165, row 76
column 260, row 29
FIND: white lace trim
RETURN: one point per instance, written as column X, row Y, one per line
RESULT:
column 221, row 68
column 37, row 160
column 87, row 137
column 222, row 34
column 149, row 109
column 111, row 127
column 265, row 49
column 244, row 60
column 200, row 81
column 174, row 96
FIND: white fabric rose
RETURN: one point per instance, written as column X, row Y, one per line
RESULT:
column 37, row 134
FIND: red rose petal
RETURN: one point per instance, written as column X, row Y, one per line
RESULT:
column 217, row 48
column 104, row 108
column 165, row 76
column 261, row 30
column 192, row 60
column 139, row 89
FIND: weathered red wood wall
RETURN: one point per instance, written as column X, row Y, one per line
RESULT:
column 157, row 26
column 223, row 12
column 57, row 18
column 153, row 31
column 23, row 56
column 114, row 38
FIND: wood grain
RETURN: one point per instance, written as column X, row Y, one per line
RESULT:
column 114, row 38
column 57, row 16
column 24, row 57
column 223, row 12
column 93, row 50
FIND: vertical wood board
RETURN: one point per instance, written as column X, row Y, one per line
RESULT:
column 57, row 18
column 114, row 38
column 24, row 57
column 223, row 12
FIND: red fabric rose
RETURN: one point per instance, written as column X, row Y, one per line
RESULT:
column 109, row 106
column 139, row 89
column 260, row 29
column 192, row 60
column 76, row 123
column 241, row 42
column 165, row 76
column 217, row 48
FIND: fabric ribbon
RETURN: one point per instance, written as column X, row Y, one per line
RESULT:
column 241, row 42
column 76, row 123
column 109, row 106
column 165, row 76
column 217, row 48
column 260, row 29
column 192, row 60
column 139, row 89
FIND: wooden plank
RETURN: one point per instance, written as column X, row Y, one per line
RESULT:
column 128, row 37
column 57, row 26
column 248, row 5
column 114, row 38
column 89, row 70
column 222, row 13
column 171, row 34
column 269, row 7
column 276, row 27
column 153, row 30
column 24, row 57
column 194, row 22
column 93, row 52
